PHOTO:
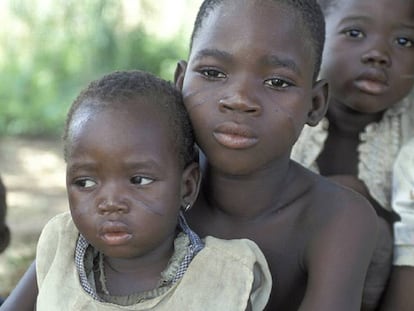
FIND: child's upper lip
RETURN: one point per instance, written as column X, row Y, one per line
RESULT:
column 114, row 233
column 235, row 136
column 114, row 227
column 374, row 75
column 233, row 128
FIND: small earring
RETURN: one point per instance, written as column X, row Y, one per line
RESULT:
column 187, row 207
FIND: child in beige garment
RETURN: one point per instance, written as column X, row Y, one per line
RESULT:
column 131, row 174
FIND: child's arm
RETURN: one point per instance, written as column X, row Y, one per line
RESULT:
column 339, row 254
column 24, row 295
column 399, row 295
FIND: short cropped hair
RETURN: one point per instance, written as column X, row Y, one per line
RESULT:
column 119, row 87
column 309, row 10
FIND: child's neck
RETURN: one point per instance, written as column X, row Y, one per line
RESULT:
column 134, row 275
column 246, row 197
column 350, row 122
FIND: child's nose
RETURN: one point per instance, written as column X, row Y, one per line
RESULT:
column 378, row 55
column 240, row 101
column 110, row 206
column 112, row 201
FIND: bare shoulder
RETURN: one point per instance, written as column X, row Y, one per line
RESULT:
column 342, row 231
column 333, row 214
column 334, row 200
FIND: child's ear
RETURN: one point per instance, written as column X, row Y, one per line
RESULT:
column 320, row 92
column 190, row 184
column 179, row 74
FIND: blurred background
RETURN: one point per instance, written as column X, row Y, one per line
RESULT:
column 49, row 50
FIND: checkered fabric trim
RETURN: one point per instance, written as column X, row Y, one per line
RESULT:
column 80, row 251
column 196, row 245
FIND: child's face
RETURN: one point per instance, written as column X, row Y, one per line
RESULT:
column 248, row 84
column 124, row 179
column 369, row 53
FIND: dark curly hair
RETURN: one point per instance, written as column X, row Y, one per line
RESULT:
column 123, row 86
column 309, row 10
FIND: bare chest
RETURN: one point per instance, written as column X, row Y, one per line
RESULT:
column 282, row 244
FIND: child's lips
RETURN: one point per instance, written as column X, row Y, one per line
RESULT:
column 115, row 233
column 371, row 86
column 373, row 82
column 235, row 136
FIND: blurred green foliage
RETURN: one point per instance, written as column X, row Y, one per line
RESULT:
column 54, row 48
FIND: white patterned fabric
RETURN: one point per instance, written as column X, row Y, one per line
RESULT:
column 403, row 204
column 378, row 149
column 186, row 245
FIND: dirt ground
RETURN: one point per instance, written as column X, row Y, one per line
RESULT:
column 33, row 172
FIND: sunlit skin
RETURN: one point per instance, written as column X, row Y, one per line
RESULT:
column 249, row 89
column 125, row 189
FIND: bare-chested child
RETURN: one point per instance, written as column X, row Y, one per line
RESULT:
column 131, row 173
column 369, row 63
column 250, row 84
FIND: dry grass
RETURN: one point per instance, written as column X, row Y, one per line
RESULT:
column 34, row 174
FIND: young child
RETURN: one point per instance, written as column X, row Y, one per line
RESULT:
column 399, row 295
column 249, row 86
column 125, row 245
column 4, row 229
column 369, row 63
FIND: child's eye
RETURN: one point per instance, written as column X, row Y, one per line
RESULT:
column 354, row 33
column 277, row 83
column 405, row 42
column 85, row 183
column 142, row 181
column 212, row 73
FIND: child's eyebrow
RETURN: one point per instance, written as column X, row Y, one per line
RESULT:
column 142, row 164
column 278, row 62
column 363, row 18
column 407, row 26
column 356, row 18
column 269, row 61
column 80, row 166
column 213, row 53
column 129, row 164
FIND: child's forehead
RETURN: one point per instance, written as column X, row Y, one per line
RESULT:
column 259, row 19
column 240, row 8
column 379, row 9
column 126, row 113
column 113, row 122
column 261, row 30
